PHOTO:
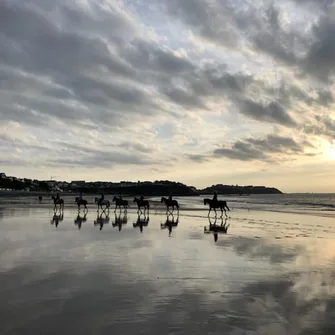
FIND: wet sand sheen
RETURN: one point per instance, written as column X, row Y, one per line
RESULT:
column 271, row 273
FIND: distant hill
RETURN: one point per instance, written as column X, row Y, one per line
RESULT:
column 148, row 188
column 240, row 190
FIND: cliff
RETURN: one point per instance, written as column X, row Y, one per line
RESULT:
column 240, row 190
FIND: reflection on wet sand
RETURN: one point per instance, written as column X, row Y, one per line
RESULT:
column 142, row 221
column 78, row 221
column 120, row 219
column 170, row 222
column 215, row 228
column 62, row 282
column 101, row 220
column 57, row 217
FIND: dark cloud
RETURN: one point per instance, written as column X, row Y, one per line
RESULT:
column 209, row 19
column 320, row 58
column 261, row 149
column 323, row 126
column 93, row 157
column 197, row 158
column 270, row 112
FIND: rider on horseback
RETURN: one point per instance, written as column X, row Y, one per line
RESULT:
column 57, row 196
column 80, row 195
column 170, row 197
column 215, row 197
column 142, row 198
column 101, row 198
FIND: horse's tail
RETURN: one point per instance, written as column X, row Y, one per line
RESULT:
column 177, row 205
column 227, row 206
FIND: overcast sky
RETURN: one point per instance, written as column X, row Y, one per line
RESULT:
column 196, row 91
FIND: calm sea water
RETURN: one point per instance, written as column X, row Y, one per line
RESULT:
column 272, row 272
column 313, row 204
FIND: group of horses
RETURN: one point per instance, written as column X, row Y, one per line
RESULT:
column 105, row 204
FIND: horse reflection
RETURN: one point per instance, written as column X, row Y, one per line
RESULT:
column 170, row 222
column 142, row 221
column 119, row 220
column 101, row 220
column 80, row 219
column 213, row 227
column 57, row 217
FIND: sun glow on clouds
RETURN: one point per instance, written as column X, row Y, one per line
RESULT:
column 198, row 91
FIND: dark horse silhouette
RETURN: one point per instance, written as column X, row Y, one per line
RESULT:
column 170, row 203
column 59, row 202
column 120, row 203
column 222, row 204
column 141, row 222
column 170, row 222
column 142, row 203
column 81, row 202
column 101, row 203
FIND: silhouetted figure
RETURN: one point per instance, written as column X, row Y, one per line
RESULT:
column 142, row 198
column 57, row 196
column 80, row 195
column 102, row 197
column 170, row 197
column 215, row 197
column 40, row 198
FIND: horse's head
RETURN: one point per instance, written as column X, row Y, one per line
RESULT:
column 96, row 199
column 135, row 199
column 163, row 199
column 77, row 198
column 205, row 201
column 114, row 199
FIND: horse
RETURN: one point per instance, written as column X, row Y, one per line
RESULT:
column 141, row 222
column 120, row 202
column 170, row 223
column 222, row 204
column 142, row 203
column 170, row 203
column 59, row 202
column 81, row 202
column 101, row 203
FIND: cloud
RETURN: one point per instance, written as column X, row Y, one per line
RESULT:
column 271, row 112
column 110, row 72
column 266, row 149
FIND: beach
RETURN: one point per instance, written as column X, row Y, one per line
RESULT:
column 271, row 272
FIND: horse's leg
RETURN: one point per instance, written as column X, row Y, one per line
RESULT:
column 225, row 211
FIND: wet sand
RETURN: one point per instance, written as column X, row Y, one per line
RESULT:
column 271, row 273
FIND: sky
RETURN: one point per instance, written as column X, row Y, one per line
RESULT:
column 196, row 91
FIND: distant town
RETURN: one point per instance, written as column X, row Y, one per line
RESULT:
column 163, row 187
